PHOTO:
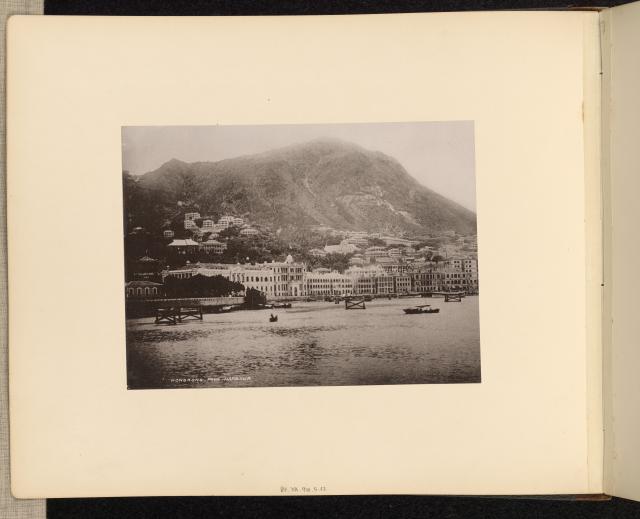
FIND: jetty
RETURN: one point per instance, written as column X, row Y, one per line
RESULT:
column 178, row 314
column 448, row 296
column 354, row 303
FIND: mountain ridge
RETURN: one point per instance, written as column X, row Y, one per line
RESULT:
column 325, row 181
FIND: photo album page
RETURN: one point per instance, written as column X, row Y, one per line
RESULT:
column 305, row 255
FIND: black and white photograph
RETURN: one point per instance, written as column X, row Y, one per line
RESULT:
column 300, row 255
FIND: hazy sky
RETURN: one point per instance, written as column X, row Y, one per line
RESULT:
column 440, row 155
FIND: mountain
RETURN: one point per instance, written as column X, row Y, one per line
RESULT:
column 322, row 182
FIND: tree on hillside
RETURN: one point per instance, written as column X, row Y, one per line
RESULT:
column 230, row 232
column 334, row 261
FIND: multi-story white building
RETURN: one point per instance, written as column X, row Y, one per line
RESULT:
column 385, row 284
column 364, row 278
column 208, row 224
column 218, row 227
column 249, row 232
column 190, row 224
column 212, row 246
column 275, row 279
column 343, row 248
column 327, row 284
column 168, row 233
column 375, row 252
column 289, row 277
column 255, row 277
column 226, row 221
column 191, row 216
column 402, row 283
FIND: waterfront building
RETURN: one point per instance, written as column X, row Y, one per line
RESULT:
column 289, row 277
column 327, row 284
column 402, row 284
column 275, row 279
column 364, row 278
column 364, row 285
column 385, row 284
column 255, row 277
column 142, row 289
column 428, row 280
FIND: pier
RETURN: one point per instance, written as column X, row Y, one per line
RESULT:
column 448, row 296
column 136, row 308
column 178, row 314
column 354, row 304
column 453, row 297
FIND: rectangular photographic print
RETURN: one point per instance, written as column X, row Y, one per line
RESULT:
column 300, row 255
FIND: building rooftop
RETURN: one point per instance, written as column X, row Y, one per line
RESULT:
column 135, row 284
column 182, row 243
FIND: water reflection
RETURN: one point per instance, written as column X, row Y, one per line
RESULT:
column 310, row 344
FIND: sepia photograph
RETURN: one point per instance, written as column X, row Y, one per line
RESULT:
column 300, row 255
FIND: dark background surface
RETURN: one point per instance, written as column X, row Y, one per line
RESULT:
column 359, row 507
column 369, row 507
column 299, row 7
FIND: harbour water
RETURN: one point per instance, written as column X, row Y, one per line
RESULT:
column 311, row 344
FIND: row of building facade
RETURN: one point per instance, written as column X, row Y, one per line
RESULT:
column 290, row 279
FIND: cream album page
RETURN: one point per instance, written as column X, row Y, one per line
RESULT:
column 305, row 255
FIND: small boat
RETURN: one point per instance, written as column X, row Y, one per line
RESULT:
column 281, row 305
column 226, row 308
column 421, row 309
column 273, row 318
